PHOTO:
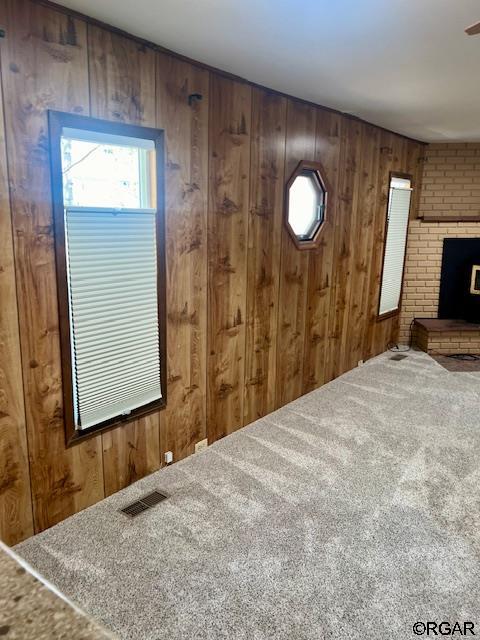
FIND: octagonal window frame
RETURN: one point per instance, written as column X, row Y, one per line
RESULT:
column 315, row 168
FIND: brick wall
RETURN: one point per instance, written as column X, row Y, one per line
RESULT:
column 451, row 181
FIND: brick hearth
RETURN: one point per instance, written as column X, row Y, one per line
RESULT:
column 446, row 336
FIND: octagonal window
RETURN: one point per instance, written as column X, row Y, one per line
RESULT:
column 306, row 200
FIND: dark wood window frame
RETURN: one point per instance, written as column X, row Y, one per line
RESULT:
column 317, row 169
column 57, row 122
column 395, row 312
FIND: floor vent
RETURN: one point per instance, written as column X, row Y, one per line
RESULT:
column 399, row 356
column 147, row 502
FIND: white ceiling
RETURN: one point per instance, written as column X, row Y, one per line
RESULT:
column 404, row 64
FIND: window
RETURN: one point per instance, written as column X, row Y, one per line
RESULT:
column 109, row 238
column 306, row 201
column 398, row 211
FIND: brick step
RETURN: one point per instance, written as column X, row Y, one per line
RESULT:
column 436, row 336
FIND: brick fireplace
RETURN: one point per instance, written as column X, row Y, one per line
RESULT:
column 449, row 208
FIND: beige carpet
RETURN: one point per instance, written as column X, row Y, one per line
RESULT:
column 351, row 513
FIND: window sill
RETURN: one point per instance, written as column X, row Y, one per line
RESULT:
column 389, row 314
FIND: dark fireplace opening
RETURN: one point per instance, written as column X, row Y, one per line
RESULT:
column 460, row 280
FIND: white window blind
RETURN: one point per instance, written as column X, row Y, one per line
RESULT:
column 112, row 283
column 395, row 244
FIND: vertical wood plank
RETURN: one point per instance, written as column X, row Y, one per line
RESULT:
column 384, row 166
column 122, row 78
column 300, row 145
column 229, row 140
column 186, row 129
column 130, row 452
column 45, row 67
column 363, row 240
column 321, row 259
column 122, row 88
column 264, row 241
column 16, row 521
column 345, row 223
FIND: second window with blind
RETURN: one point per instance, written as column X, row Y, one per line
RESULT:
column 398, row 212
column 109, row 234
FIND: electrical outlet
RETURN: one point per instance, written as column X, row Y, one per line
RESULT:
column 168, row 457
column 201, row 446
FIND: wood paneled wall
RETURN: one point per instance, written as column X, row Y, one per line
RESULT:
column 252, row 322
